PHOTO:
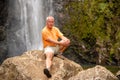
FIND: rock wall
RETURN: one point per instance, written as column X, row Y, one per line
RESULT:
column 3, row 28
column 59, row 12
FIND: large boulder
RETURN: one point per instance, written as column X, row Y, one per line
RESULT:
column 118, row 74
column 30, row 65
column 95, row 73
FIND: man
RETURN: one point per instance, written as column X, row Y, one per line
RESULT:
column 50, row 36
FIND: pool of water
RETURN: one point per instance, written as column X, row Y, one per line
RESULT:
column 113, row 69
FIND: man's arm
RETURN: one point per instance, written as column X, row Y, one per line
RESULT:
column 63, row 42
column 53, row 41
column 64, row 38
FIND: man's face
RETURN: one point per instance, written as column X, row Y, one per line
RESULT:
column 50, row 23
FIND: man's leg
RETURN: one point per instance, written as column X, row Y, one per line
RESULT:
column 62, row 48
column 49, row 57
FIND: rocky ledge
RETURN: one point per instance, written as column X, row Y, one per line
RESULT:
column 30, row 65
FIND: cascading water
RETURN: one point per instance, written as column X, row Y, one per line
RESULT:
column 26, row 19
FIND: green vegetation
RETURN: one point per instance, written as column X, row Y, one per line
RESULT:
column 93, row 23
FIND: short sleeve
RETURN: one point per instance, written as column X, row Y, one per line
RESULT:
column 44, row 35
column 59, row 33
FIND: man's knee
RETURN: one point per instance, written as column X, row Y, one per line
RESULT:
column 68, row 42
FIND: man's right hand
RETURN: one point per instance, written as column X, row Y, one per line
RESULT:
column 65, row 42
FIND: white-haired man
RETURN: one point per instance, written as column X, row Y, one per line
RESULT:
column 50, row 36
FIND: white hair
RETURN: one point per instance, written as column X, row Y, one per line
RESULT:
column 49, row 18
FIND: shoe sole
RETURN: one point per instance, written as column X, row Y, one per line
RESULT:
column 47, row 73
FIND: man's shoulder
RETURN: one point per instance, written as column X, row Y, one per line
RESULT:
column 44, row 29
column 55, row 28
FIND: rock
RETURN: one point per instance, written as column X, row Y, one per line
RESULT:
column 95, row 73
column 118, row 74
column 30, row 65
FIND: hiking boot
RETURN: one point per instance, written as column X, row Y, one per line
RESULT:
column 47, row 73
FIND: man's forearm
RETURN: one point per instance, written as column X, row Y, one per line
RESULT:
column 63, row 38
column 53, row 41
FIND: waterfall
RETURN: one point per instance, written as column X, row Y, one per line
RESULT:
column 50, row 7
column 26, row 20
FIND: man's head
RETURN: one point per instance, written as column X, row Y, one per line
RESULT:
column 50, row 22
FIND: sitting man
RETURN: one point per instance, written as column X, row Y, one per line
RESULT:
column 50, row 36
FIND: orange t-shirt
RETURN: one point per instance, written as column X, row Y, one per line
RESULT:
column 53, row 33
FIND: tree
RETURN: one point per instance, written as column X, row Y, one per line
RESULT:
column 90, row 21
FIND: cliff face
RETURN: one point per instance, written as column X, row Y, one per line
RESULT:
column 3, row 12
column 3, row 27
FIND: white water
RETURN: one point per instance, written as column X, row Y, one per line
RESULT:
column 26, row 20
